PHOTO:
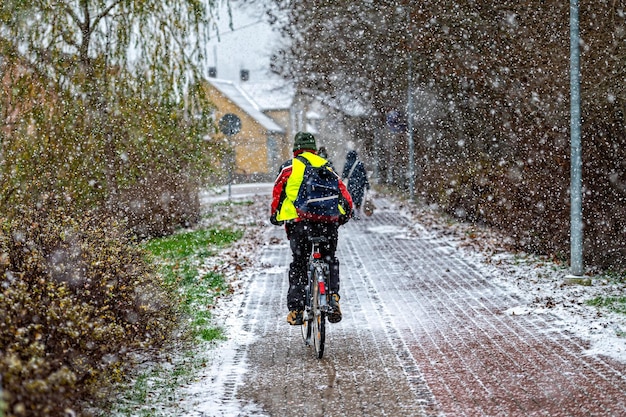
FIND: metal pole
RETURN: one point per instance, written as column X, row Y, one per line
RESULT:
column 576, row 247
column 409, row 115
column 377, row 153
column 231, row 157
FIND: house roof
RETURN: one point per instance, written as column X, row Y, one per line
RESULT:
column 243, row 100
column 270, row 94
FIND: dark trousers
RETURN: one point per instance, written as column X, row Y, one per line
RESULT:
column 298, row 234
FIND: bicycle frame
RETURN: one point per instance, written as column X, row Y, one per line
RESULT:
column 316, row 301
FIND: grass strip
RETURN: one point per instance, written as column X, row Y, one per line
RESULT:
column 614, row 304
column 180, row 258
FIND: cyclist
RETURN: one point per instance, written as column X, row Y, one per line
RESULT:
column 283, row 211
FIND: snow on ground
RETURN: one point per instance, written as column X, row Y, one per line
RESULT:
column 538, row 283
column 237, row 192
column 226, row 368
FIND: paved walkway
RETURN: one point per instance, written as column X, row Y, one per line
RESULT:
column 475, row 359
column 425, row 333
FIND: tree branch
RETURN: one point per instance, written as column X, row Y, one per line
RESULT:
column 104, row 13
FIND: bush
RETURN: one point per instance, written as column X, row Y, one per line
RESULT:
column 158, row 205
column 78, row 298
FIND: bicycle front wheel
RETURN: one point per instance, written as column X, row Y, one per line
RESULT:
column 307, row 329
column 307, row 322
column 319, row 322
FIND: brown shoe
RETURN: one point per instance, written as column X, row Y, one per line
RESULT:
column 295, row 318
column 335, row 316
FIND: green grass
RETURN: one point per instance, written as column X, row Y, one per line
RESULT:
column 614, row 304
column 212, row 334
column 195, row 243
column 615, row 276
column 158, row 384
column 180, row 257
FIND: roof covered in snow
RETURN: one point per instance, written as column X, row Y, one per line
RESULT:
column 270, row 94
column 243, row 100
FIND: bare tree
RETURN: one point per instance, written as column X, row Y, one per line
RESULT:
column 496, row 150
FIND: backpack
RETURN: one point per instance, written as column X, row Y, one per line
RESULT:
column 318, row 196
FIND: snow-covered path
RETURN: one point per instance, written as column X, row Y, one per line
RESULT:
column 427, row 330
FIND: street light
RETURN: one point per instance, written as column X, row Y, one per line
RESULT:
column 576, row 222
column 409, row 109
column 411, row 142
column 230, row 124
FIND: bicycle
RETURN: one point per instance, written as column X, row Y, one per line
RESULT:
column 317, row 305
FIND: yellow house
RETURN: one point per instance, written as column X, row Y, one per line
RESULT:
column 275, row 98
column 261, row 144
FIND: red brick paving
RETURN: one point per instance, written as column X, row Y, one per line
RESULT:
column 425, row 333
column 476, row 360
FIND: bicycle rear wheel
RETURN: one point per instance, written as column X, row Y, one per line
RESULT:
column 319, row 322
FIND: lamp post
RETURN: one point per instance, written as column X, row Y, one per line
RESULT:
column 576, row 245
column 411, row 142
column 230, row 124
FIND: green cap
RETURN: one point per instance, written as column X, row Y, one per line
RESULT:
column 304, row 140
